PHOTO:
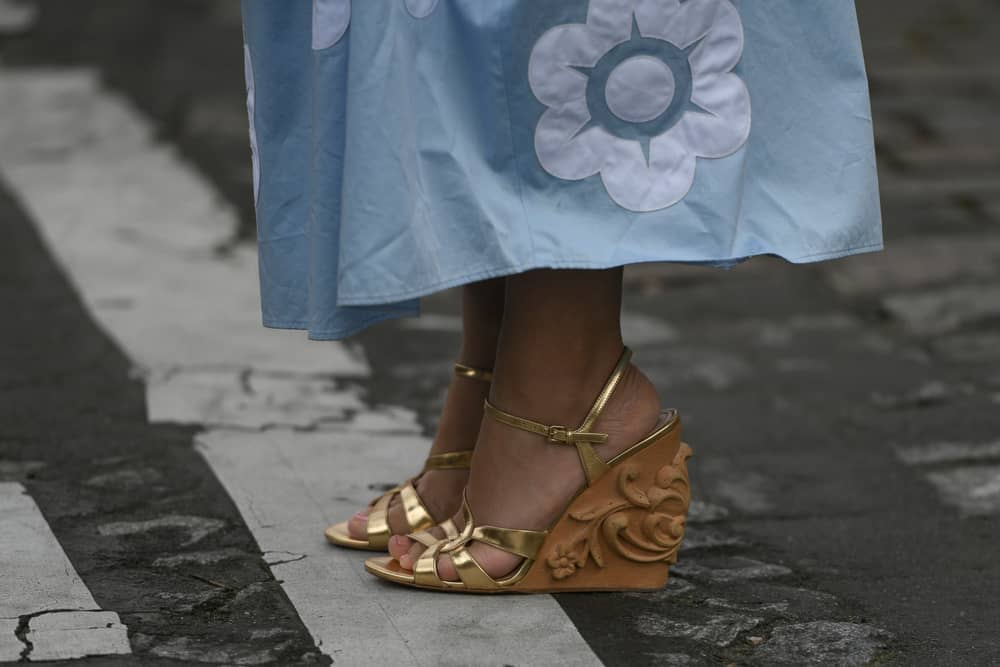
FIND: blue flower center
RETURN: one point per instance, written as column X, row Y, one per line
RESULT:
column 640, row 88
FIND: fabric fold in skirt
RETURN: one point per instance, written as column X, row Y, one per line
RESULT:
column 405, row 146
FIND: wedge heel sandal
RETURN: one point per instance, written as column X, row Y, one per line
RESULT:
column 621, row 532
column 418, row 517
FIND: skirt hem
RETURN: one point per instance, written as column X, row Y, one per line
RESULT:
column 343, row 332
column 388, row 298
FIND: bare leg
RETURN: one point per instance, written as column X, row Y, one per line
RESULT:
column 559, row 341
column 458, row 428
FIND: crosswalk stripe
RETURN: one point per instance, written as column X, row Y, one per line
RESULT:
column 138, row 231
column 136, row 227
column 46, row 611
column 288, row 484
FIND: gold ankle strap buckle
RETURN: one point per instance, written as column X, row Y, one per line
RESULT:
column 557, row 434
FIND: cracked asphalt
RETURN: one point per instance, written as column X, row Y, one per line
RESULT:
column 845, row 416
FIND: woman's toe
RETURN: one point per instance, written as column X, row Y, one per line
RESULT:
column 446, row 568
column 399, row 546
column 410, row 550
column 411, row 555
column 357, row 525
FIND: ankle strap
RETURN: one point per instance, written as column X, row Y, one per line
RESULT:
column 461, row 370
column 602, row 399
column 460, row 460
column 557, row 434
column 581, row 436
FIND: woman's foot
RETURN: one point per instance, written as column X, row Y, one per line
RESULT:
column 520, row 480
column 439, row 490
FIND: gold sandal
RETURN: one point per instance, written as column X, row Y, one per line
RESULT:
column 622, row 531
column 417, row 515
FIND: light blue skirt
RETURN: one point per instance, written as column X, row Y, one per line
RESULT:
column 405, row 146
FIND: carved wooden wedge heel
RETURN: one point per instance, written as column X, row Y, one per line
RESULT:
column 622, row 531
column 418, row 517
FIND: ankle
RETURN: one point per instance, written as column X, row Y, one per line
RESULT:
column 558, row 389
column 461, row 415
column 632, row 413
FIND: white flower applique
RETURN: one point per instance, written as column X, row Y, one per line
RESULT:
column 638, row 93
column 331, row 19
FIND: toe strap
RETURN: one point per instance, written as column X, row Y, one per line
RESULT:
column 424, row 538
column 469, row 571
column 425, row 569
column 450, row 529
column 425, row 572
column 524, row 543
column 378, row 522
column 417, row 515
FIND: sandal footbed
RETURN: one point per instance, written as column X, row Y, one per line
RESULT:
column 339, row 535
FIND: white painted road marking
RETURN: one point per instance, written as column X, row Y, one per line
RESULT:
column 135, row 227
column 286, row 484
column 961, row 473
column 246, row 398
column 137, row 230
column 39, row 580
column 948, row 452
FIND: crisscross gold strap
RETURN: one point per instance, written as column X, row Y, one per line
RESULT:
column 417, row 516
column 524, row 543
column 581, row 436
column 426, row 538
column 473, row 373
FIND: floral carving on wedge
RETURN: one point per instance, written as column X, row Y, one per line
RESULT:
column 563, row 562
column 640, row 526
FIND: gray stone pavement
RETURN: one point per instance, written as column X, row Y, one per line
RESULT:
column 845, row 416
